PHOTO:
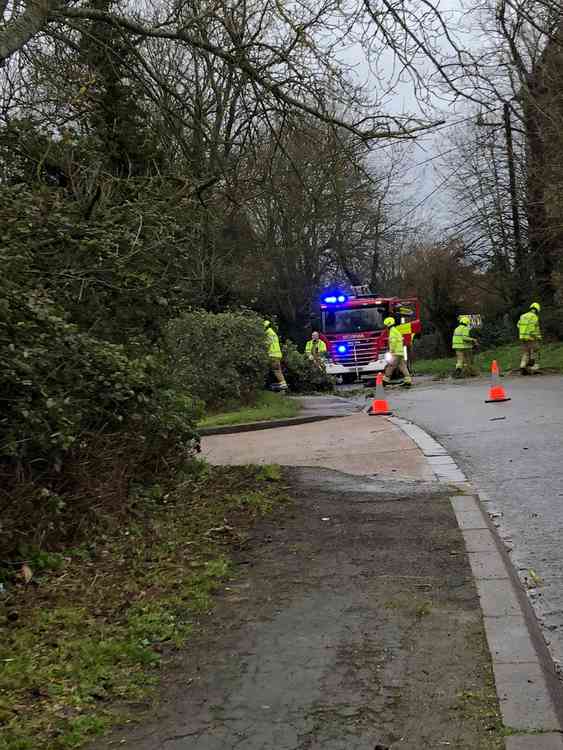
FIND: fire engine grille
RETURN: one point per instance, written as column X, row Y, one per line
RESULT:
column 358, row 352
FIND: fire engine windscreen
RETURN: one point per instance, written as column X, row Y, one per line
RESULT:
column 353, row 320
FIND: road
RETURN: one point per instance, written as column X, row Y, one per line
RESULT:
column 513, row 454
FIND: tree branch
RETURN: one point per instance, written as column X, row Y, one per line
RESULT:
column 239, row 59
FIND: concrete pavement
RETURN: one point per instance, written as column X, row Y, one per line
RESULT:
column 528, row 688
column 357, row 444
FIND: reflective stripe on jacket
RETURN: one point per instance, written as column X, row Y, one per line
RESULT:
column 529, row 326
column 312, row 347
column 274, row 349
column 396, row 342
column 461, row 338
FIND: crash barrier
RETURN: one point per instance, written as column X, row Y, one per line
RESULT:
column 379, row 406
column 496, row 391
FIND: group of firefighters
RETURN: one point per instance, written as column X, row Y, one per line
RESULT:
column 529, row 333
column 463, row 344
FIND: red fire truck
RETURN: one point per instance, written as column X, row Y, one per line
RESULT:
column 352, row 328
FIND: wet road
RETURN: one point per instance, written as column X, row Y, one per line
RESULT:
column 516, row 463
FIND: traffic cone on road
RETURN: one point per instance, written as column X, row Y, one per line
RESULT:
column 496, row 391
column 379, row 405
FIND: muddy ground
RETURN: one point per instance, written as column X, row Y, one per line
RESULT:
column 353, row 624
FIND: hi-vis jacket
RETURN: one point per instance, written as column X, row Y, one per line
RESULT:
column 529, row 327
column 462, row 338
column 396, row 342
column 315, row 347
column 274, row 349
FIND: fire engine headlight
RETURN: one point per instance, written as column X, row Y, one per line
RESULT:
column 389, row 357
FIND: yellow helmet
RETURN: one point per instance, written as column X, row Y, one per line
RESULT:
column 464, row 319
column 389, row 322
column 535, row 306
column 267, row 324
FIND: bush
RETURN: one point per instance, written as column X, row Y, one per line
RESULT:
column 80, row 419
column 551, row 322
column 58, row 383
column 218, row 357
column 302, row 375
column 428, row 346
column 496, row 332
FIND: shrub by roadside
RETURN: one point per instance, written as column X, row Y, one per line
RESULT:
column 218, row 357
column 302, row 375
column 80, row 417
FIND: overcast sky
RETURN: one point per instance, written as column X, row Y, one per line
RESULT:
column 428, row 186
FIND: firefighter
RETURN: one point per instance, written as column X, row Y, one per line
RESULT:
column 463, row 344
column 275, row 355
column 315, row 349
column 530, row 336
column 396, row 354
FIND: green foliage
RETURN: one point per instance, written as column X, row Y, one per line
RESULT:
column 56, row 381
column 267, row 406
column 507, row 357
column 86, row 399
column 83, row 642
column 303, row 375
column 218, row 357
column 496, row 332
column 122, row 276
column 427, row 346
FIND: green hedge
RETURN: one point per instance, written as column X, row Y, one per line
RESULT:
column 220, row 358
column 58, row 383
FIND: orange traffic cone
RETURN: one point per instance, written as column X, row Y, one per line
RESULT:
column 496, row 391
column 379, row 405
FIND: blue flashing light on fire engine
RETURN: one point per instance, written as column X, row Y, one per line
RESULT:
column 341, row 349
column 334, row 299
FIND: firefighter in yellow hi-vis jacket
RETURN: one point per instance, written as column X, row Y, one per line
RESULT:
column 275, row 355
column 396, row 354
column 316, row 350
column 530, row 335
column 463, row 344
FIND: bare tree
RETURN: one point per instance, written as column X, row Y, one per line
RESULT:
column 282, row 51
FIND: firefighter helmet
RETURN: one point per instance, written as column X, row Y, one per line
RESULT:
column 535, row 306
column 388, row 322
column 267, row 324
column 464, row 320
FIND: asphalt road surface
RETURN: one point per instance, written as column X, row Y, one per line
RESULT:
column 513, row 454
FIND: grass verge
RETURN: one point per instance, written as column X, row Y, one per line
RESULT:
column 86, row 636
column 508, row 358
column 268, row 406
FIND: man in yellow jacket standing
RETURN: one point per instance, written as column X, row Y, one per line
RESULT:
column 315, row 349
column 462, row 344
column 396, row 354
column 275, row 355
column 530, row 336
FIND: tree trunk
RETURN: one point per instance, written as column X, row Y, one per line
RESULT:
column 541, row 249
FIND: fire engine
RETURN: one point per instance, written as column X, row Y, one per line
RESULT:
column 352, row 328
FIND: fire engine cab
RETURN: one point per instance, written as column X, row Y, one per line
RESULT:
column 352, row 328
